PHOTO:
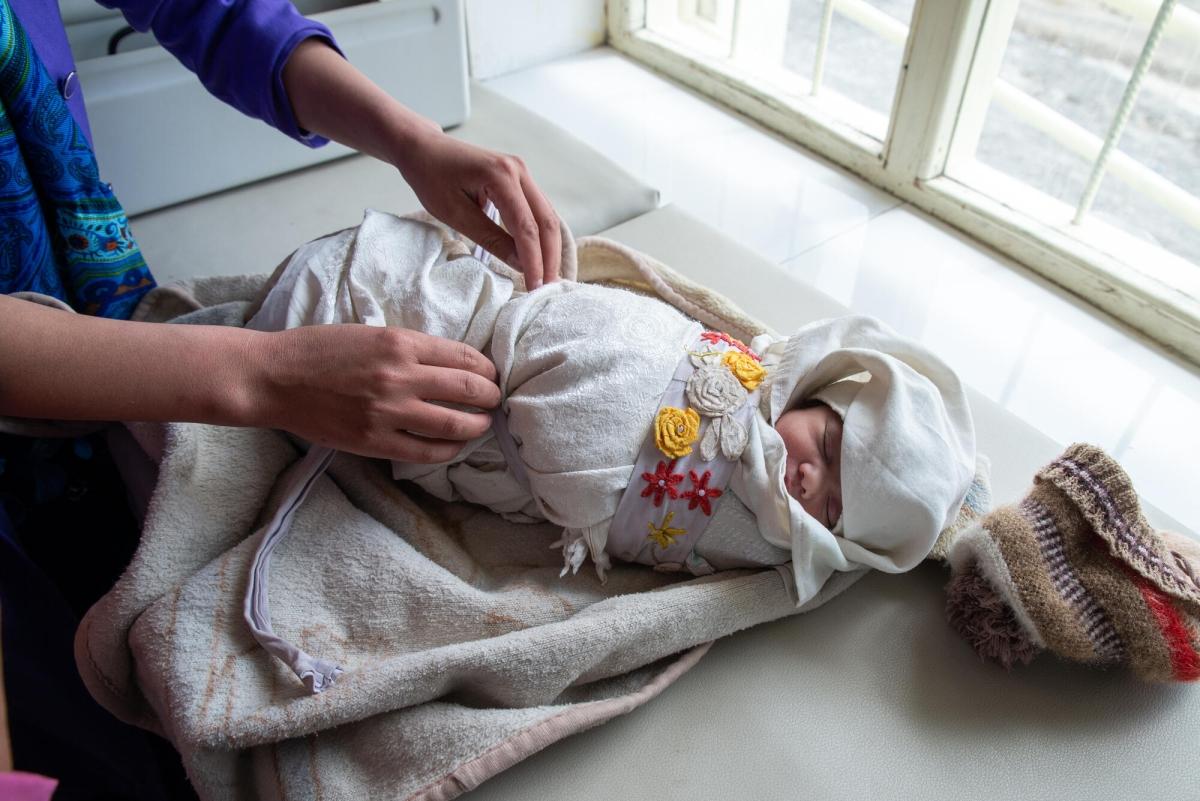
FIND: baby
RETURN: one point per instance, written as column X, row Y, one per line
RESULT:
column 651, row 439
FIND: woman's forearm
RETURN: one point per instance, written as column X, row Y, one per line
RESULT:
column 59, row 365
column 330, row 97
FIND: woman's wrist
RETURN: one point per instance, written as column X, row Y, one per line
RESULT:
column 201, row 374
column 407, row 138
column 249, row 394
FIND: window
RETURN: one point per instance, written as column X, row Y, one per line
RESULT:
column 1065, row 133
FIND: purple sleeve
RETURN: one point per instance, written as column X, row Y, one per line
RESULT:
column 236, row 47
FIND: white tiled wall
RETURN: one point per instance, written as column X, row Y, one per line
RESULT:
column 511, row 35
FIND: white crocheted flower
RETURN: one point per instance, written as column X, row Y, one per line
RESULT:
column 724, row 434
column 714, row 391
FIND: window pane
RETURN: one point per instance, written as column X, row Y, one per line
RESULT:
column 702, row 25
column 863, row 55
column 776, row 44
column 1075, row 58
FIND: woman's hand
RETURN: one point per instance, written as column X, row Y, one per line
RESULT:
column 370, row 390
column 454, row 180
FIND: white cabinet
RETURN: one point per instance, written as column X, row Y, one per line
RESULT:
column 160, row 138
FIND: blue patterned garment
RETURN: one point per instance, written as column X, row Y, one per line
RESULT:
column 62, row 232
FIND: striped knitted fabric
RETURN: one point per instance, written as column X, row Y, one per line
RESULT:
column 1075, row 569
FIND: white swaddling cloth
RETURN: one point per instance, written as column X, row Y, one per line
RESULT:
column 582, row 368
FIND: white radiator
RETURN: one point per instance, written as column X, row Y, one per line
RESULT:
column 160, row 138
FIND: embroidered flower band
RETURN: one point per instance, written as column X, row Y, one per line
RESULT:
column 710, row 400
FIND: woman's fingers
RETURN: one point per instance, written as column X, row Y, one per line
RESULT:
column 495, row 240
column 459, row 387
column 506, row 191
column 402, row 446
column 455, row 178
column 437, row 351
column 440, row 423
column 549, row 232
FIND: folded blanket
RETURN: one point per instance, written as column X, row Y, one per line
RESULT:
column 464, row 651
column 1075, row 569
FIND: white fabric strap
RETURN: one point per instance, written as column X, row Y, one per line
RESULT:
column 508, row 447
column 481, row 253
column 317, row 674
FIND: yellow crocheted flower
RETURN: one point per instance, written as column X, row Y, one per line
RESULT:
column 665, row 534
column 675, row 430
column 747, row 370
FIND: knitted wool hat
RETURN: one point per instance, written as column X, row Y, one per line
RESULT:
column 1075, row 569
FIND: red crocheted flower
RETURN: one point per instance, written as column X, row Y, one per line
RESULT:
column 700, row 494
column 662, row 482
column 713, row 337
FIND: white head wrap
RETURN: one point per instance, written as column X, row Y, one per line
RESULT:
column 908, row 448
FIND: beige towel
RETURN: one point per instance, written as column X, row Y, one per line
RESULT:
column 478, row 654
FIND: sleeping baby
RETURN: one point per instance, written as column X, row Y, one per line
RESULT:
column 650, row 438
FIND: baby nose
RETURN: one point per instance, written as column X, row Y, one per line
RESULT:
column 810, row 479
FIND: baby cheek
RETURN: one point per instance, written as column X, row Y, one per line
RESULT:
column 787, row 433
column 813, row 510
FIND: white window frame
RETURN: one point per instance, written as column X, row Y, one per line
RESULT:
column 954, row 47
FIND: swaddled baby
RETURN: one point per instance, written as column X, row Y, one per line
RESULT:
column 646, row 436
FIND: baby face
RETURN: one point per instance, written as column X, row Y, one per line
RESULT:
column 813, row 438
